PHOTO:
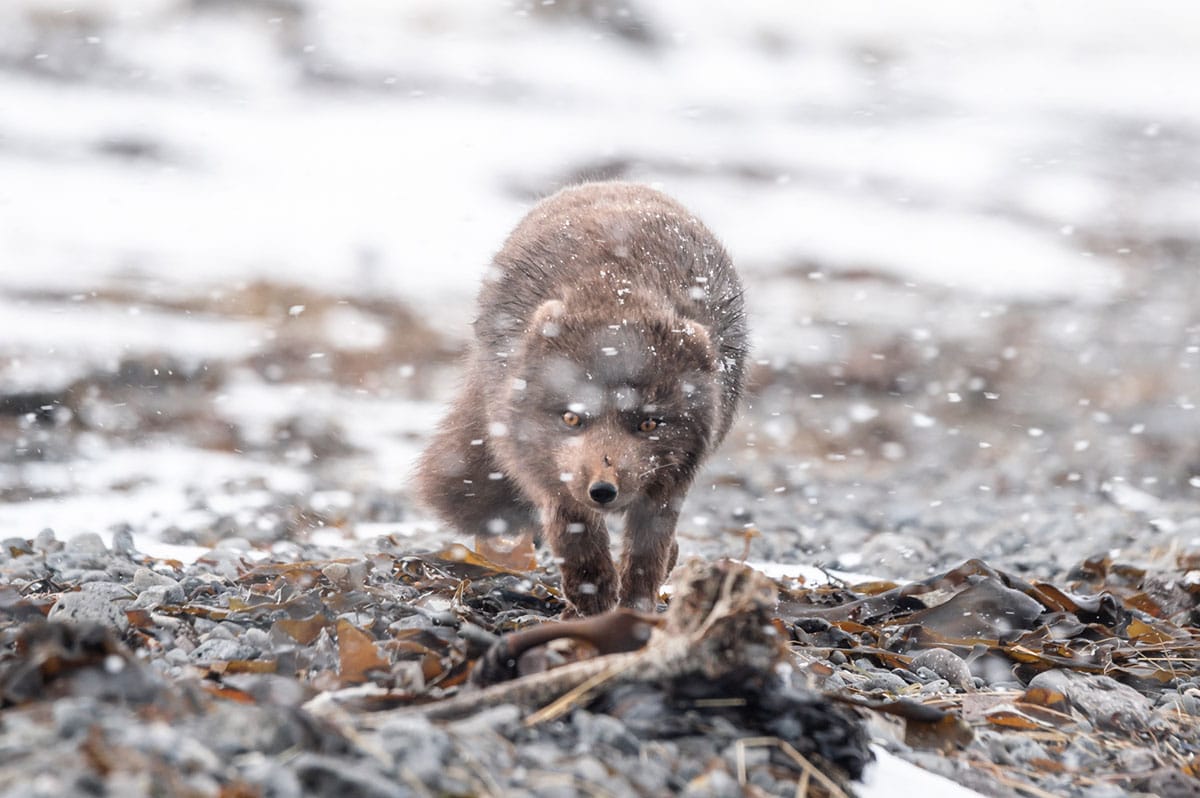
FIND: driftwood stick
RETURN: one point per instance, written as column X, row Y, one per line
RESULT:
column 718, row 623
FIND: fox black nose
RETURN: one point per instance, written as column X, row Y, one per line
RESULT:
column 602, row 492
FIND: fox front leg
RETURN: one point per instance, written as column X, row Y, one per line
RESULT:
column 579, row 540
column 649, row 553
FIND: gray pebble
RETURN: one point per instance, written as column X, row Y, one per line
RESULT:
column 110, row 590
column 540, row 755
column 157, row 596
column 87, row 544
column 884, row 681
column 1188, row 703
column 234, row 543
column 946, row 665
column 218, row 649
column 191, row 754
column 92, row 575
column 46, row 542
column 603, row 730
column 591, row 770
column 1102, row 700
column 220, row 632
column 1104, row 791
column 73, row 717
column 421, row 747
column 338, row 574
column 256, row 638
column 329, row 776
column 122, row 542
column 145, row 577
column 167, row 622
column 176, row 656
column 715, row 783
column 487, row 720
column 14, row 547
column 203, row 626
column 650, row 776
column 85, row 607
column 935, row 687
column 926, row 675
column 274, row 779
column 224, row 563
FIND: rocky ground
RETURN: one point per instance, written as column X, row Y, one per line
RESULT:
column 1058, row 463
column 976, row 315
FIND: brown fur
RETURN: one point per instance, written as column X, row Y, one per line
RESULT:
column 613, row 302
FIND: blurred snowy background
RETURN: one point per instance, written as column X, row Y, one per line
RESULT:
column 240, row 241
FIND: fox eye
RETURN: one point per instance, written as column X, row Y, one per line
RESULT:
column 571, row 419
column 649, row 425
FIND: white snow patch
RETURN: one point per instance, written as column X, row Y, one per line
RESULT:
column 912, row 149
column 890, row 776
column 151, row 489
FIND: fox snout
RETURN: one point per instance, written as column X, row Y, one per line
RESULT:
column 602, row 480
column 606, row 489
column 602, row 492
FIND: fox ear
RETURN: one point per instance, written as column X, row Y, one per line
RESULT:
column 695, row 335
column 546, row 321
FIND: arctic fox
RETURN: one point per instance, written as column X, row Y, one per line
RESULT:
column 608, row 362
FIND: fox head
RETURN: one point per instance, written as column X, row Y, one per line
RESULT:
column 603, row 410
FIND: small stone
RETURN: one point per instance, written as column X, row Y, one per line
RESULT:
column 89, row 606
column 338, row 574
column 715, row 783
column 168, row 622
column 15, row 547
column 73, row 717
column 192, row 755
column 220, row 632
column 176, row 656
column 650, row 776
column 330, row 776
column 419, row 746
column 488, row 720
column 234, row 543
column 591, row 770
column 603, row 730
column 156, row 596
column 145, row 577
column 1102, row 700
column 269, row 775
column 256, row 639
column 884, row 681
column 221, row 650
column 108, row 589
column 46, row 542
column 122, row 542
column 92, row 575
column 935, row 687
column 87, row 543
column 946, row 665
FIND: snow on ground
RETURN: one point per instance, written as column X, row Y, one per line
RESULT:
column 891, row 775
column 46, row 345
column 937, row 150
column 149, row 488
